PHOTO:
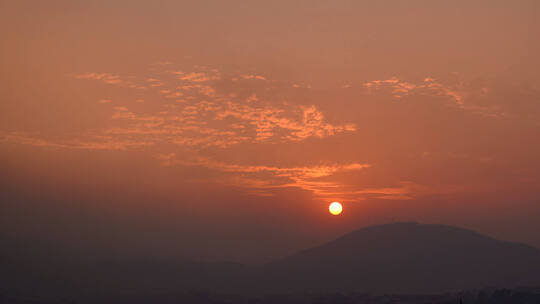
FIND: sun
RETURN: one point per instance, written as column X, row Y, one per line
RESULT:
column 335, row 208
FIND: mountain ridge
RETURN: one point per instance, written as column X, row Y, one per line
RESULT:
column 412, row 257
column 406, row 258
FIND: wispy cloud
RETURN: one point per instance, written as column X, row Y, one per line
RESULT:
column 320, row 180
column 102, row 142
column 403, row 88
column 111, row 79
column 256, row 77
column 457, row 93
column 205, row 109
column 198, row 76
column 205, row 116
column 265, row 180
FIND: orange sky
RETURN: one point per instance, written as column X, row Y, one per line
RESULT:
column 222, row 129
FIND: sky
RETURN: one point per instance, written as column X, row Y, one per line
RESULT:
column 221, row 130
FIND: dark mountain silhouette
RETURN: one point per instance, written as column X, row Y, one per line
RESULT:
column 395, row 258
column 410, row 257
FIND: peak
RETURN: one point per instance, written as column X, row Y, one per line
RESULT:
column 411, row 229
column 405, row 255
column 415, row 225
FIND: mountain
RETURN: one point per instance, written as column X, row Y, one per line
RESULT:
column 408, row 258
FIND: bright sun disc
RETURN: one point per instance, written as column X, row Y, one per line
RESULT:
column 335, row 208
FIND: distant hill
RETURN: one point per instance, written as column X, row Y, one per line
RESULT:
column 405, row 258
column 409, row 258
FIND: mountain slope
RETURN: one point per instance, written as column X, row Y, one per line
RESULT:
column 395, row 258
column 409, row 257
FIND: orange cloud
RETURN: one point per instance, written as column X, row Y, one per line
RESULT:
column 402, row 88
column 257, row 77
column 206, row 117
column 457, row 93
column 102, row 142
column 303, row 177
column 198, row 77
column 109, row 78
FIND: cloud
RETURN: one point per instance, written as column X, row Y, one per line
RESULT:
column 210, row 114
column 401, row 88
column 198, row 77
column 320, row 180
column 264, row 180
column 197, row 110
column 256, row 77
column 269, row 122
column 109, row 78
column 102, row 142
column 204, row 116
column 456, row 93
